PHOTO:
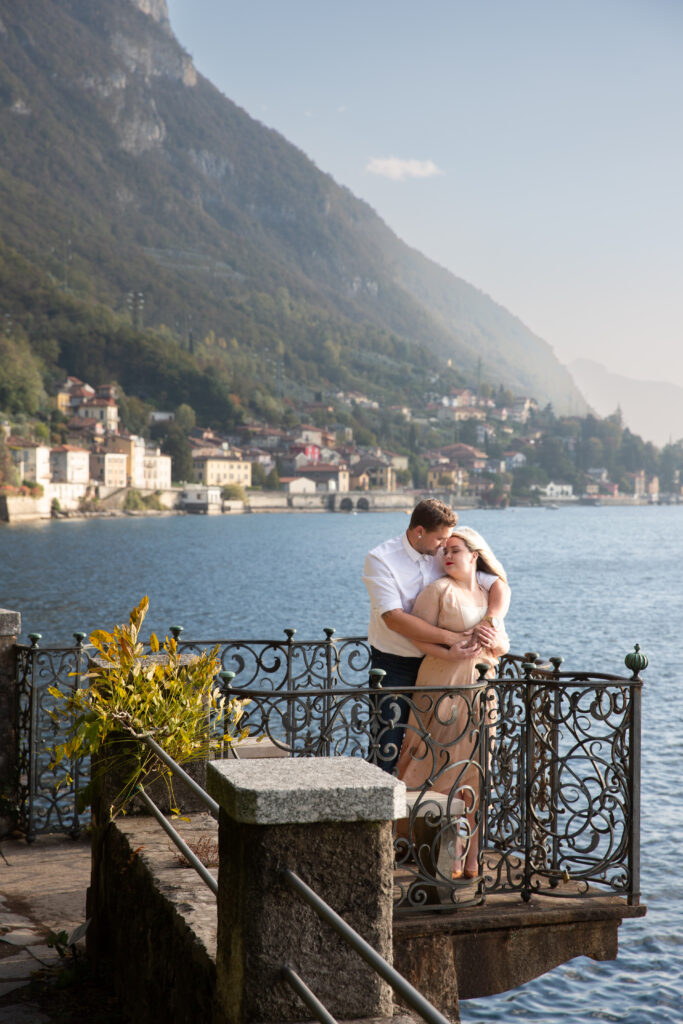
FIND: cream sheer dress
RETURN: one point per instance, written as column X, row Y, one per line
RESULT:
column 449, row 759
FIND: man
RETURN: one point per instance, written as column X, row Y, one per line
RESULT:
column 395, row 572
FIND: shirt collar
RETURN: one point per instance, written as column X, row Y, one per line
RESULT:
column 414, row 555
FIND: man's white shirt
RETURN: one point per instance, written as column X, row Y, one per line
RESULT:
column 394, row 574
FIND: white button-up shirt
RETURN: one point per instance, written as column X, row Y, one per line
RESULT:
column 394, row 574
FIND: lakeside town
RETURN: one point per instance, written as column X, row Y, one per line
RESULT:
column 492, row 453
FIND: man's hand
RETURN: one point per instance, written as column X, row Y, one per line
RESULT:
column 470, row 647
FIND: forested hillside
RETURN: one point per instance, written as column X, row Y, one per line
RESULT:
column 154, row 234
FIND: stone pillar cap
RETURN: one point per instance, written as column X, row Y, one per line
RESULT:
column 10, row 622
column 303, row 790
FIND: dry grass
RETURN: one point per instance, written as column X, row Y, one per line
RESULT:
column 205, row 848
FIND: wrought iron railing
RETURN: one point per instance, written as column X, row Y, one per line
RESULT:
column 47, row 800
column 536, row 770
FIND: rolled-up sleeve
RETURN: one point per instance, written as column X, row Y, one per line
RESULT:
column 385, row 595
column 486, row 579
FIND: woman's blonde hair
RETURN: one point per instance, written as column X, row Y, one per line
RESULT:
column 486, row 560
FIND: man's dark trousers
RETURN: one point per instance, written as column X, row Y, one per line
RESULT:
column 393, row 710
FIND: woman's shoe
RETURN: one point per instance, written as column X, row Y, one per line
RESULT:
column 471, row 872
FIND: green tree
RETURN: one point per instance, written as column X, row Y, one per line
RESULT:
column 178, row 447
column 21, row 382
column 273, row 480
column 134, row 414
column 234, row 492
column 258, row 475
column 185, row 418
column 8, row 473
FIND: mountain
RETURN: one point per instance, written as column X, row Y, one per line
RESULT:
column 653, row 409
column 128, row 180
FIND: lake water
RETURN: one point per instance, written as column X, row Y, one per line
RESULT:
column 587, row 583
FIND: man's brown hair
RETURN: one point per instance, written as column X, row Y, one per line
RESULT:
column 431, row 513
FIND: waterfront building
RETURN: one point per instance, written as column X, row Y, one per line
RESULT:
column 326, row 477
column 108, row 468
column 133, row 447
column 219, row 470
column 69, row 464
column 156, row 470
column 200, row 499
column 32, row 460
column 556, row 489
column 449, row 474
column 380, row 475
column 297, row 485
column 638, row 482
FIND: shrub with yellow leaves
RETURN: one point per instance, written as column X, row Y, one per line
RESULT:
column 130, row 695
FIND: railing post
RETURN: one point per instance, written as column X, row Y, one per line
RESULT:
column 289, row 725
column 330, row 667
column 526, row 768
column 637, row 662
column 634, row 823
column 375, row 682
column 329, row 820
column 10, row 628
column 75, row 762
column 554, row 745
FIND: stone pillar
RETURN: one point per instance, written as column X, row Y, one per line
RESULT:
column 328, row 819
column 10, row 628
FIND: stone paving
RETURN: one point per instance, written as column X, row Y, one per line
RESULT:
column 42, row 889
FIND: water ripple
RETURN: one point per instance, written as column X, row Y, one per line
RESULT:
column 587, row 584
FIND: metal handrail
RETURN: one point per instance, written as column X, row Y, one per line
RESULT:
column 181, row 773
column 177, row 839
column 407, row 992
column 308, row 998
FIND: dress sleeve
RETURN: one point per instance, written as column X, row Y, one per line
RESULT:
column 428, row 603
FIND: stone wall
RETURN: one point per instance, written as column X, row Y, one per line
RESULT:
column 154, row 921
column 20, row 508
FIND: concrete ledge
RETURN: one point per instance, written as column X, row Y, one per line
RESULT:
column 298, row 791
column 505, row 942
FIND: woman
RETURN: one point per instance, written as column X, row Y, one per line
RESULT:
column 448, row 758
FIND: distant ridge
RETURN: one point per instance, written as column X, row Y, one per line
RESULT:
column 653, row 409
column 123, row 170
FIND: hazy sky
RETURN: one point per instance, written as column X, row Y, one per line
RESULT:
column 533, row 147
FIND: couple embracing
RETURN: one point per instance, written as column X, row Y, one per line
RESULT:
column 438, row 597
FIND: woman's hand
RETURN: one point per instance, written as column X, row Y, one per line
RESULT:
column 486, row 634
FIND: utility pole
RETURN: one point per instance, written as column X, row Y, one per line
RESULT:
column 136, row 305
